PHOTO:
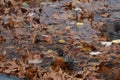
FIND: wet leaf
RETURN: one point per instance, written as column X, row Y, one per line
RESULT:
column 106, row 44
column 79, row 23
column 25, row 4
column 79, row 46
column 95, row 53
column 10, row 47
column 78, row 9
column 116, row 41
column 75, row 2
column 106, row 15
column 62, row 41
column 2, row 38
column 35, row 61
column 31, row 14
column 47, row 38
column 1, row 57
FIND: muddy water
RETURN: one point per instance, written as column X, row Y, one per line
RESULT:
column 59, row 14
column 111, row 26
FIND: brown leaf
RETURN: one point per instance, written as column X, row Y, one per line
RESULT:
column 87, row 47
column 29, row 75
column 2, row 38
column 31, row 72
column 42, row 38
column 106, row 15
column 47, row 38
column 1, row 57
column 58, row 63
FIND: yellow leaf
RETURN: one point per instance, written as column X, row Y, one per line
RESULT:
column 61, row 41
column 116, row 41
column 79, row 23
column 79, row 46
column 86, row 49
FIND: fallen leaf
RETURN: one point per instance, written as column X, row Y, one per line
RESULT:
column 116, row 41
column 106, row 44
column 106, row 15
column 10, row 47
column 2, row 38
column 31, row 14
column 95, row 53
column 35, row 61
column 62, row 41
column 42, row 38
column 25, row 4
column 79, row 23
column 75, row 2
column 1, row 57
column 78, row 9
column 47, row 38
column 79, row 46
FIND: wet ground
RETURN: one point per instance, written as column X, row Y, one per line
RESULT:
column 37, row 27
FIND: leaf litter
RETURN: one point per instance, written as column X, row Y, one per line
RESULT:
column 60, row 39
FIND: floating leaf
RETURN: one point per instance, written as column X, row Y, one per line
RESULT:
column 106, row 44
column 79, row 46
column 62, row 41
column 116, row 41
column 79, row 23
